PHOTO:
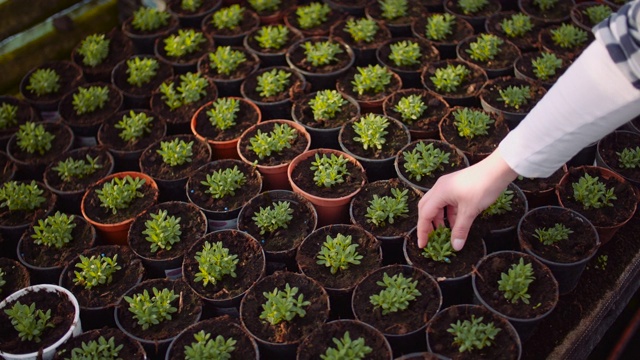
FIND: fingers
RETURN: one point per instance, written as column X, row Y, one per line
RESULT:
column 460, row 223
column 429, row 214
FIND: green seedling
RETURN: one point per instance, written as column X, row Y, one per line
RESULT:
column 280, row 138
column 176, row 152
column 515, row 96
column 555, row 234
column 119, row 193
column 193, row 86
column 89, row 99
column 141, row 70
column 183, row 43
column 312, row 15
column 448, row 79
column 423, row 160
column 371, row 79
column 283, row 305
column 206, row 348
column 273, row 82
column 148, row 19
column 439, row 246
column 501, row 206
column 272, row 36
column 70, row 169
column 162, row 231
column 329, row 170
column 29, row 322
column 223, row 113
column 517, row 25
column 228, row 18
column 338, row 253
column 322, row 53
column 94, row 49
column 439, row 26
column 371, row 130
column 43, row 82
column 225, row 182
column 514, row 284
column 33, row 137
column 270, row 219
column 393, row 9
column 568, row 36
column 327, row 104
column 470, row 7
column 225, row 60
column 592, row 193
column 8, row 116
column 629, row 158
column 485, row 48
column 264, row 5
column 55, row 231
column 133, row 126
column 473, row 335
column 471, row 123
column 397, row 292
column 148, row 310
column 405, row 53
column 410, row 108
column 546, row 65
column 96, row 270
column 385, row 210
column 214, row 263
column 347, row 349
column 21, row 196
column 101, row 349
column 361, row 30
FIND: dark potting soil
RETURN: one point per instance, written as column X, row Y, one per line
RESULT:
column 127, row 27
column 7, row 168
column 98, row 213
column 249, row 21
column 504, row 59
column 45, row 256
column 245, row 118
column 401, row 225
column 188, row 305
column 510, row 219
column 241, row 72
column 193, row 225
column 286, row 332
column 131, row 349
column 543, row 290
column 152, row 163
column 491, row 94
column 70, row 77
column 303, row 113
column 535, row 185
column 16, row 277
column 120, row 77
column 249, row 269
column 94, row 118
column 345, row 86
column 302, row 176
column 299, row 59
column 396, row 138
column 183, row 114
column 455, row 162
column 297, row 146
column 108, row 294
column 54, row 181
column 197, row 191
column 483, row 144
column 61, row 142
column 108, row 135
column 381, row 35
column 24, row 113
column 428, row 122
column 615, row 143
column 560, row 11
column 428, row 54
column 225, row 326
column 417, row 314
column 25, row 217
column 251, row 82
column 62, row 317
column 470, row 86
column 175, row 6
column 367, row 246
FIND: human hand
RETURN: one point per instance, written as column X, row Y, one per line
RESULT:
column 462, row 195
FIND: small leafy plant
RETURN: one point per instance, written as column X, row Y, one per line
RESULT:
column 94, row 49
column 133, row 126
column 32, row 137
column 514, row 284
column 347, row 349
column 362, row 30
column 473, row 335
column 371, row 131
column 545, row 4
column 312, row 15
column 228, row 18
column 193, row 86
column 546, row 65
column 190, row 5
column 592, row 193
column 270, row 219
column 550, row 236
column 439, row 26
column 393, row 9
column 89, row 99
column 448, row 79
column 471, row 122
column 206, row 348
column 273, row 82
column 223, row 113
column 568, row 36
column 148, row 310
column 96, row 270
column 410, row 108
column 8, row 116
column 162, row 231
column 183, row 43
column 469, row 7
column 283, row 305
column 29, row 322
column 439, row 246
column 384, row 210
column 264, row 5
column 43, row 82
column 423, row 160
column 517, row 25
column 20, row 196
column 405, row 53
column 597, row 13
column 101, row 349
column 225, row 182
column 502, row 205
column 515, row 96
column 326, row 104
column 141, row 70
column 119, row 193
column 280, row 138
column 329, row 170
column 371, row 78
column 321, row 53
column 69, row 168
column 149, row 19
column 338, row 253
column 272, row 36
column 225, row 60
column 629, row 158
column 485, row 48
column 397, row 293
column 214, row 263
column 54, row 231
column 176, row 152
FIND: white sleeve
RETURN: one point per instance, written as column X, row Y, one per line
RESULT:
column 591, row 99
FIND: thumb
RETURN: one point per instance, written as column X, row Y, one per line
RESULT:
column 460, row 227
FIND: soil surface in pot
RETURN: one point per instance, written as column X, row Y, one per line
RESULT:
column 70, row 77
column 62, row 318
column 456, row 162
column 242, row 71
column 317, row 344
column 251, row 82
column 504, row 59
column 491, row 94
column 184, row 113
column 428, row 54
column 61, row 142
column 16, row 277
column 296, row 147
column 25, row 217
column 131, row 349
column 299, row 59
column 94, row 118
column 381, row 35
column 7, row 168
column 615, row 143
column 245, row 118
column 249, row 22
column 487, row 223
column 120, row 47
column 54, row 181
column 95, row 211
column 345, row 86
column 395, row 139
column 109, row 135
column 478, row 145
column 557, row 13
column 248, row 270
column 120, row 79
column 428, row 121
column 540, row 184
column 303, row 113
column 302, row 176
column 524, row 66
column 470, row 86
column 152, row 163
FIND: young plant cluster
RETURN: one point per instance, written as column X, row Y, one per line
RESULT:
column 228, row 18
column 193, row 86
column 371, row 130
column 29, row 322
column 321, row 53
column 190, row 5
column 70, row 169
column 546, row 65
column 568, row 36
column 8, row 116
column 223, row 113
column 21, row 196
column 54, row 231
column 597, row 13
column 133, row 126
column 119, row 193
column 405, row 53
column 448, row 79
column 264, row 5
column 514, row 284
column 423, row 160
column 397, row 293
column 592, row 193
column 338, row 253
column 32, row 137
column 439, row 246
column 149, row 19
column 214, row 263
column 225, row 182
column 272, row 36
column 151, row 310
column 410, row 108
column 312, row 15
column 270, row 219
column 94, row 49
column 225, row 60
column 471, row 123
column 283, row 305
column 162, row 231
column 347, row 349
column 101, row 349
column 371, row 78
column 515, row 96
column 545, row 5
column 43, row 82
column 393, row 9
column 96, row 270
column 550, row 236
column 280, row 138
column 361, row 30
column 439, row 26
column 384, row 210
column 329, row 170
column 89, row 99
column 473, row 335
column 470, row 7
column 502, row 205
column 183, row 43
column 273, row 82
column 176, row 152
column 141, row 70
column 517, row 25
column 485, row 48
column 326, row 104
column 629, row 158
column 205, row 347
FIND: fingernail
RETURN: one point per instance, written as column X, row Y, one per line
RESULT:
column 457, row 244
